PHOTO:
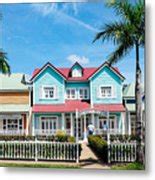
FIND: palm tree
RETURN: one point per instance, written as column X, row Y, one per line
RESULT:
column 4, row 66
column 126, row 34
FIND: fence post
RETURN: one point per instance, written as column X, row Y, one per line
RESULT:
column 108, row 142
column 36, row 150
column 77, row 136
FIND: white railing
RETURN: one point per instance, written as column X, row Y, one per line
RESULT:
column 13, row 132
column 39, row 150
column 122, row 152
column 50, row 132
column 111, row 131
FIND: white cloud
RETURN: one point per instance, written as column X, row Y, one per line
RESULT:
column 62, row 12
column 75, row 58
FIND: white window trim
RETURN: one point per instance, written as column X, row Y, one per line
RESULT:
column 43, row 93
column 47, row 116
column 107, row 97
column 76, row 73
column 83, row 89
column 71, row 89
column 7, row 117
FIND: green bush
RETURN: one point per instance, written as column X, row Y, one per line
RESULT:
column 71, row 139
column 61, row 136
column 99, row 146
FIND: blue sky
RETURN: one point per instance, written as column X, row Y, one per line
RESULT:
column 61, row 33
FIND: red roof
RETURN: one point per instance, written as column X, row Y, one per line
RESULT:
column 65, row 72
column 72, row 105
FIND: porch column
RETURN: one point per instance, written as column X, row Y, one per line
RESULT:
column 85, row 128
column 123, row 122
column 93, row 119
column 72, row 125
column 27, row 124
column 63, row 121
column 129, row 123
column 33, row 125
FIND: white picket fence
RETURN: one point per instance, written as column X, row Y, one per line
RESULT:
column 39, row 150
column 122, row 152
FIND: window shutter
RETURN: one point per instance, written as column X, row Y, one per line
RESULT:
column 40, row 92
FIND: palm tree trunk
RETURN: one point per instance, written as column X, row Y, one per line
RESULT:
column 139, row 134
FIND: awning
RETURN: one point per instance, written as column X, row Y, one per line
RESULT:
column 72, row 105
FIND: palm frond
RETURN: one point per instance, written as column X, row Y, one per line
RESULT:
column 4, row 66
column 110, row 32
column 119, row 53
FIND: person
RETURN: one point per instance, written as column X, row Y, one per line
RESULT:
column 91, row 129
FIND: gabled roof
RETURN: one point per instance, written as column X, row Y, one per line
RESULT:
column 115, row 70
column 48, row 64
column 76, row 63
column 129, row 90
column 12, row 82
column 87, row 73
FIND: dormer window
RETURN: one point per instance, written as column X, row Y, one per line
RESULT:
column 76, row 73
column 76, row 70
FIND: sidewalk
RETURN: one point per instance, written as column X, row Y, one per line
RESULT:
column 89, row 160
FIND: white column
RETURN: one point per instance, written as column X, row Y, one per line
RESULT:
column 72, row 125
column 33, row 125
column 93, row 119
column 63, row 121
column 129, row 123
column 27, row 124
column 123, row 122
column 85, row 128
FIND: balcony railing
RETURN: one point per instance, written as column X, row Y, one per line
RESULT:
column 13, row 132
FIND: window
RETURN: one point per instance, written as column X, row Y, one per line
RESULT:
column 71, row 93
column 105, row 91
column 12, row 124
column 130, row 101
column 103, row 122
column 68, row 124
column 76, row 73
column 49, row 123
column 49, row 92
column 83, row 93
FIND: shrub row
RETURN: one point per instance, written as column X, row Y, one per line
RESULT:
column 59, row 137
column 99, row 146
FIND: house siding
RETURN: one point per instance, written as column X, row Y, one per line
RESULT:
column 14, row 97
column 106, row 77
column 49, row 77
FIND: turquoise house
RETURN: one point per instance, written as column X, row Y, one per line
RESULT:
column 91, row 95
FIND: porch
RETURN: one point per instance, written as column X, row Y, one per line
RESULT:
column 14, row 124
column 49, row 123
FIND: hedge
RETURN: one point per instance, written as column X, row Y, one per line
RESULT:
column 99, row 146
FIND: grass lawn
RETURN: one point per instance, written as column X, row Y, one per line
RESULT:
column 129, row 166
column 39, row 165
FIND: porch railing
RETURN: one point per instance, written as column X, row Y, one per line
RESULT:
column 13, row 132
column 111, row 131
column 122, row 152
column 39, row 150
column 49, row 132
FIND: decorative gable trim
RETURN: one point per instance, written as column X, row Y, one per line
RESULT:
column 111, row 68
column 48, row 64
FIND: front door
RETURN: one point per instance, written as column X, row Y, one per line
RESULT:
column 49, row 125
column 80, row 128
